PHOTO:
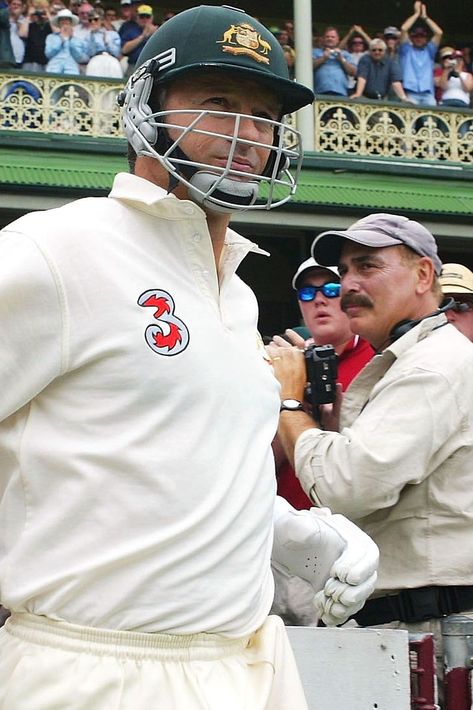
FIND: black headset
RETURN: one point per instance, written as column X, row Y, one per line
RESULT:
column 404, row 326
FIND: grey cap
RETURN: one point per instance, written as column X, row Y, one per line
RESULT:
column 391, row 31
column 308, row 265
column 378, row 230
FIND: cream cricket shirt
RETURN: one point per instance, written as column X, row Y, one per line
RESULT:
column 136, row 474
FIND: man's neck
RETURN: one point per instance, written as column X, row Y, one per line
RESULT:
column 217, row 222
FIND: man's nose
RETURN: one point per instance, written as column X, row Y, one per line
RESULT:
column 320, row 298
column 349, row 283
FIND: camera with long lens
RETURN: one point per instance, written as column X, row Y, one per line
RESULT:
column 321, row 367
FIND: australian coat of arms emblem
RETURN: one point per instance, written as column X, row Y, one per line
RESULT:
column 244, row 39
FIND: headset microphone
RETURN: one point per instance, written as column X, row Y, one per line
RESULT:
column 405, row 326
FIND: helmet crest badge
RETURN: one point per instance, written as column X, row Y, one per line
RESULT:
column 244, row 39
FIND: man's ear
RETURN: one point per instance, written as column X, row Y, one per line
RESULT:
column 425, row 275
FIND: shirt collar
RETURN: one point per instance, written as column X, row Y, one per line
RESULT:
column 417, row 333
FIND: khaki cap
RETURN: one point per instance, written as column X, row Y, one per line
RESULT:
column 456, row 278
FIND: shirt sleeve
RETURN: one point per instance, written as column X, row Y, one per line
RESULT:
column 362, row 68
column 396, row 74
column 390, row 445
column 32, row 316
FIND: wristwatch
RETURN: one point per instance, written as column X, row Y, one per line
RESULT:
column 291, row 405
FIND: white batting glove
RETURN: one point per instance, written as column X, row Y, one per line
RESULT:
column 337, row 558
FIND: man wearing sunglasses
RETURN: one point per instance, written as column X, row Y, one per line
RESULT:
column 457, row 281
column 318, row 294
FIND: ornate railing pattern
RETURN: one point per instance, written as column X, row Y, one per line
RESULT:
column 393, row 131
column 68, row 105
column 79, row 106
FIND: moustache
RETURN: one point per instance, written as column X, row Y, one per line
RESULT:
column 353, row 299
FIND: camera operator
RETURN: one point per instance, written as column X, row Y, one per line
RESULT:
column 453, row 81
column 401, row 464
column 332, row 66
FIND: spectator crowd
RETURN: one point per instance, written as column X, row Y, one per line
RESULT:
column 409, row 64
column 75, row 38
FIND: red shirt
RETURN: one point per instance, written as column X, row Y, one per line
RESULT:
column 353, row 359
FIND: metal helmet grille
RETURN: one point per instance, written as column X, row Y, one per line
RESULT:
column 225, row 189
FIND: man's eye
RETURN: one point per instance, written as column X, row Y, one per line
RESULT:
column 216, row 100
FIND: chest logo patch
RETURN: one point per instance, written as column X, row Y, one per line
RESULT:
column 167, row 335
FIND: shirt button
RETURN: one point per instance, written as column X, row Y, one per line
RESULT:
column 197, row 238
column 205, row 273
column 189, row 210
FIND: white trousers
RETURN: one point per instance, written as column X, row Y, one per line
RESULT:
column 49, row 665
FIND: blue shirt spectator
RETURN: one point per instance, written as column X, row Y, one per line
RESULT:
column 63, row 50
column 332, row 66
column 417, row 54
column 417, row 64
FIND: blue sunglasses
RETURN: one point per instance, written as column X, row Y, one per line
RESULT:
column 308, row 293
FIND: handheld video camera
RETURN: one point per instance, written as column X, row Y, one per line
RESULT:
column 321, row 367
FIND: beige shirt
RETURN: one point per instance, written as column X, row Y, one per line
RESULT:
column 402, row 465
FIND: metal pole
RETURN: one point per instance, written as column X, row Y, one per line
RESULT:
column 304, row 72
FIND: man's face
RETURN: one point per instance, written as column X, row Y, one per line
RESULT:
column 378, row 289
column 331, row 39
column 391, row 42
column 84, row 14
column 144, row 20
column 463, row 320
column 15, row 7
column 377, row 53
column 327, row 323
column 220, row 93
column 419, row 41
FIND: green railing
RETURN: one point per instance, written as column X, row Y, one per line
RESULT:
column 79, row 106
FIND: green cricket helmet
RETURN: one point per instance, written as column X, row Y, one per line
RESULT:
column 206, row 39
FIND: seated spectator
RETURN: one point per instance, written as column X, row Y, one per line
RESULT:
column 377, row 73
column 34, row 30
column 332, row 66
column 391, row 36
column 417, row 54
column 454, row 83
column 15, row 10
column 103, row 47
column 63, row 50
column 135, row 35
